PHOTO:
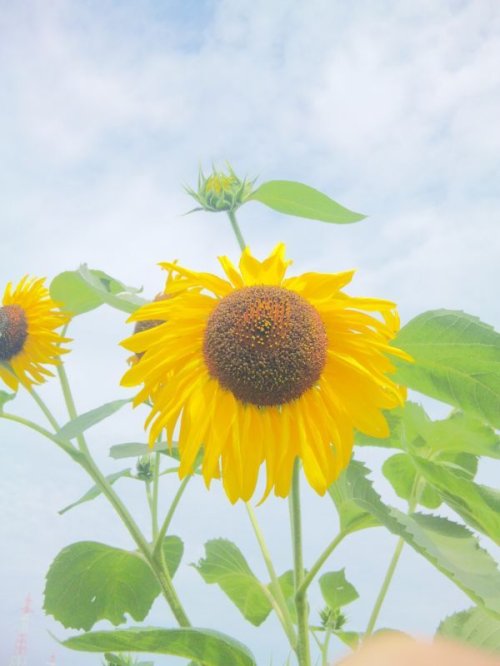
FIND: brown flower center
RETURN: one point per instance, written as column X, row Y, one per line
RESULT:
column 13, row 331
column 265, row 344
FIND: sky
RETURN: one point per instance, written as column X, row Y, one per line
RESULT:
column 109, row 107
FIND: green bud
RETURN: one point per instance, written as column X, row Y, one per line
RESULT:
column 220, row 191
column 332, row 618
column 143, row 468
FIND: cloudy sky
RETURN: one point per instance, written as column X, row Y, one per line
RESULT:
column 108, row 107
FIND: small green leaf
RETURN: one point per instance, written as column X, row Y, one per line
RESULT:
column 349, row 638
column 118, row 660
column 210, row 647
column 77, row 426
column 292, row 198
column 5, row 397
column 450, row 547
column 95, row 491
column 457, row 360
column 90, row 581
column 336, row 590
column 472, row 626
column 225, row 565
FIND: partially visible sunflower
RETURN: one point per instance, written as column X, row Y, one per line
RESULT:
column 29, row 319
column 259, row 368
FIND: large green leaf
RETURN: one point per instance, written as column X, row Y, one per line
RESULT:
column 86, row 289
column 351, row 516
column 95, row 491
column 472, row 626
column 81, row 423
column 478, row 505
column 457, row 360
column 336, row 590
column 225, row 565
column 202, row 645
column 292, row 198
column 450, row 547
column 401, row 472
column 90, row 581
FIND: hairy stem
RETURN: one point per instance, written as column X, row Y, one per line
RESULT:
column 311, row 574
column 303, row 650
column 168, row 518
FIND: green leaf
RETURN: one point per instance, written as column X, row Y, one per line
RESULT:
column 350, row 638
column 210, row 647
column 351, row 516
column 286, row 581
column 118, row 660
column 336, row 590
column 472, row 626
column 401, row 472
column 86, row 289
column 111, row 291
column 136, row 449
column 457, row 360
column 292, row 198
column 5, row 397
column 77, row 426
column 173, row 549
column 90, row 581
column 465, row 434
column 225, row 565
column 95, row 491
column 450, row 547
column 478, row 505
column 73, row 294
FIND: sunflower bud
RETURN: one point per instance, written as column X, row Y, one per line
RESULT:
column 143, row 468
column 220, row 191
column 332, row 618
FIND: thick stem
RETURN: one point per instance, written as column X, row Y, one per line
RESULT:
column 303, row 650
column 236, row 228
column 275, row 586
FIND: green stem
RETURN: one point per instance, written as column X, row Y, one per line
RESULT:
column 311, row 574
column 385, row 586
column 236, row 228
column 275, row 586
column 168, row 518
column 154, row 499
column 412, row 502
column 107, row 490
column 62, row 444
column 324, row 650
column 302, row 650
column 46, row 411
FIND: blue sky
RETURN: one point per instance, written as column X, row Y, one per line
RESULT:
column 108, row 107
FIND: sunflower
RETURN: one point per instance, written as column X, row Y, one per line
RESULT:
column 258, row 368
column 28, row 339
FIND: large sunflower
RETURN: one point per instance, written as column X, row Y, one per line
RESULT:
column 29, row 319
column 259, row 368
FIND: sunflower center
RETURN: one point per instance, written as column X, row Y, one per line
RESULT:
column 265, row 344
column 13, row 331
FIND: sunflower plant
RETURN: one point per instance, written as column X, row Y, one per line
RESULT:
column 265, row 381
